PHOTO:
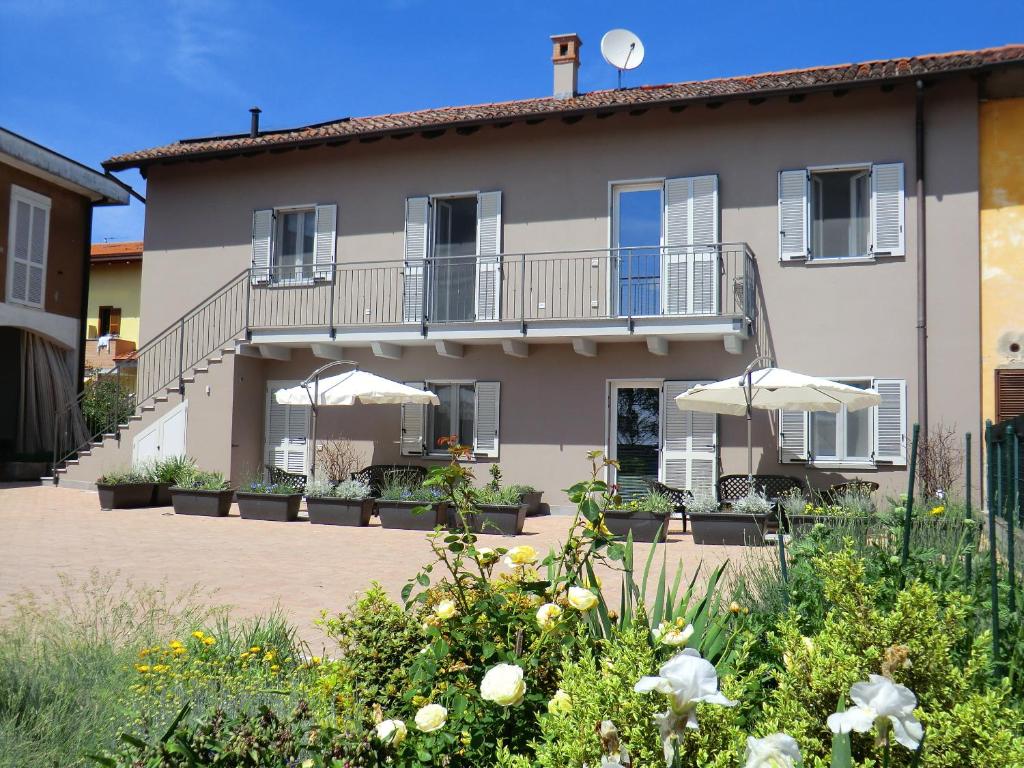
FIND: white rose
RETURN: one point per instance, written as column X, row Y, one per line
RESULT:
column 391, row 732
column 431, row 717
column 504, row 685
column 486, row 555
column 560, row 703
column 582, row 599
column 547, row 615
column 520, row 556
column 445, row 609
column 672, row 634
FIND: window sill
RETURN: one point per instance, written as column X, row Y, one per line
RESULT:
column 841, row 260
column 842, row 464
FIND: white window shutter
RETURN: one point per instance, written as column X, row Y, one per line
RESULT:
column 891, row 422
column 417, row 242
column 887, row 210
column 690, row 269
column 326, row 240
column 488, row 260
column 287, row 435
column 485, row 418
column 793, row 436
column 413, row 425
column 262, row 244
column 794, row 224
column 29, row 240
column 689, row 450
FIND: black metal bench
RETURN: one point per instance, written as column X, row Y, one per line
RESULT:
column 278, row 476
column 680, row 497
column 376, row 475
column 734, row 487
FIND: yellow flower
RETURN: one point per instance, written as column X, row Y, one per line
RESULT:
column 180, row 651
column 936, row 511
column 520, row 556
column 560, row 703
column 269, row 656
column 160, row 668
column 255, row 649
column 275, row 668
column 315, row 660
column 445, row 609
column 175, row 644
column 547, row 615
column 142, row 668
column 198, row 634
column 581, row 599
column 734, row 608
column 144, row 653
column 600, row 528
column 209, row 640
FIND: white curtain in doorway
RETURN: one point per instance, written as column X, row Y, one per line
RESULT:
column 47, row 393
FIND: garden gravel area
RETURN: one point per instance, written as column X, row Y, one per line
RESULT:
column 48, row 533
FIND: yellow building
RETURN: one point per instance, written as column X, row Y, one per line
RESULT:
column 115, row 284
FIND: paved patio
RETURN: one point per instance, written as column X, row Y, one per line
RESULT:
column 249, row 565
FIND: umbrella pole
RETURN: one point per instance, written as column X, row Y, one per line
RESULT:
column 750, row 443
column 316, row 399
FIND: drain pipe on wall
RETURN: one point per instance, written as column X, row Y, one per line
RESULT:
column 922, row 263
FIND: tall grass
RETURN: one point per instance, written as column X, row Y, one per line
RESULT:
column 66, row 664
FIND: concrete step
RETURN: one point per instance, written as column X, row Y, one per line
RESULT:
column 62, row 470
column 85, row 453
column 109, row 435
column 160, row 399
column 171, row 390
column 214, row 360
column 135, row 417
column 48, row 480
column 73, row 462
column 227, row 350
column 148, row 407
column 198, row 370
column 189, row 379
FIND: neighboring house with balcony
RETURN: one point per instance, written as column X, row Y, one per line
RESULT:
column 46, row 205
column 557, row 269
column 115, row 288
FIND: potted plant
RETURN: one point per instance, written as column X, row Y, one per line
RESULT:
column 406, row 503
column 646, row 517
column 347, row 503
column 273, row 502
column 202, row 493
column 529, row 496
column 743, row 524
column 852, row 506
column 167, row 472
column 124, row 489
column 496, row 510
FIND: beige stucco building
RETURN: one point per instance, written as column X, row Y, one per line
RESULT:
column 557, row 269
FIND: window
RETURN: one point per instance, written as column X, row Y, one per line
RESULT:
column 844, row 436
column 453, row 267
column 839, row 213
column 28, row 237
column 468, row 410
column 296, row 237
column 110, row 321
column 636, row 220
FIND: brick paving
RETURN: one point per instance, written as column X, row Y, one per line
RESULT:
column 251, row 566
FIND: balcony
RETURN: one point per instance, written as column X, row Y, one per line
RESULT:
column 658, row 294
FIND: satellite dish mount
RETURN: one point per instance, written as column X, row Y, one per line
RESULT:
column 623, row 50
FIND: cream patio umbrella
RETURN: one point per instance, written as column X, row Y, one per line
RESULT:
column 348, row 388
column 773, row 389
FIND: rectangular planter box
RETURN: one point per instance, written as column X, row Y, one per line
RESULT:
column 161, row 494
column 728, row 528
column 272, row 507
column 506, row 519
column 646, row 526
column 532, row 502
column 189, row 501
column 127, row 496
column 329, row 510
column 802, row 522
column 398, row 514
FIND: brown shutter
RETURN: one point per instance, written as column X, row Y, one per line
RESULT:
column 1009, row 393
column 115, row 321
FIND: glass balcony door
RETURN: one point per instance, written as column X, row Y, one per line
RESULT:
column 636, row 234
column 634, row 435
column 453, row 262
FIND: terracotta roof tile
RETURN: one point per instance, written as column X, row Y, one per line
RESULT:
column 595, row 101
column 116, row 251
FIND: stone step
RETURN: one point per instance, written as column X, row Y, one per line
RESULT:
column 109, row 435
column 149, row 407
column 160, row 399
column 73, row 462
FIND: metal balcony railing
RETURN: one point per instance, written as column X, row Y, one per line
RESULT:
column 526, row 288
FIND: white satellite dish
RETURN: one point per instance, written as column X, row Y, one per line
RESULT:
column 622, row 49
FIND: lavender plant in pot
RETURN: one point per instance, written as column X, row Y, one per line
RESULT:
column 125, row 489
column 406, row 503
column 646, row 517
column 202, row 493
column 497, row 510
column 272, row 502
column 347, row 503
column 743, row 524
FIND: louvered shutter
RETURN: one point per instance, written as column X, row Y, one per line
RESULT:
column 887, row 209
column 262, row 244
column 690, row 267
column 417, row 238
column 413, row 425
column 326, row 240
column 287, row 435
column 794, row 227
column 1009, row 393
column 488, row 260
column 29, row 235
column 793, row 436
column 689, row 443
column 891, row 421
column 485, row 418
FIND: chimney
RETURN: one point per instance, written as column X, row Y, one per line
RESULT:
column 566, row 58
column 254, row 123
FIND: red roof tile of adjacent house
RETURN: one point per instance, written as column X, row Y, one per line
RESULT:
column 126, row 251
column 471, row 117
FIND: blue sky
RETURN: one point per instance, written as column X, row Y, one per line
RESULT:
column 92, row 79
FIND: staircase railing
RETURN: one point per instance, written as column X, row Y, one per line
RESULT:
column 159, row 365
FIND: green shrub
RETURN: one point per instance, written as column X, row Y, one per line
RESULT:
column 199, row 480
column 172, row 470
column 124, row 476
column 504, row 496
column 107, row 402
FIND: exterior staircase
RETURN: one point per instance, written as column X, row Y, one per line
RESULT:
column 182, row 356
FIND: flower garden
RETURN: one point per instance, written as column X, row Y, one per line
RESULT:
column 872, row 646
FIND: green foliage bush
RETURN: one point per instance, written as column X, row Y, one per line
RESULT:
column 107, row 402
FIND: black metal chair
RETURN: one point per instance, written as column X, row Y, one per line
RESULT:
column 680, row 497
column 734, row 487
column 376, row 475
column 279, row 476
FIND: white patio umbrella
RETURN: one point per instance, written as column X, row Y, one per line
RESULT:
column 348, row 388
column 773, row 389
